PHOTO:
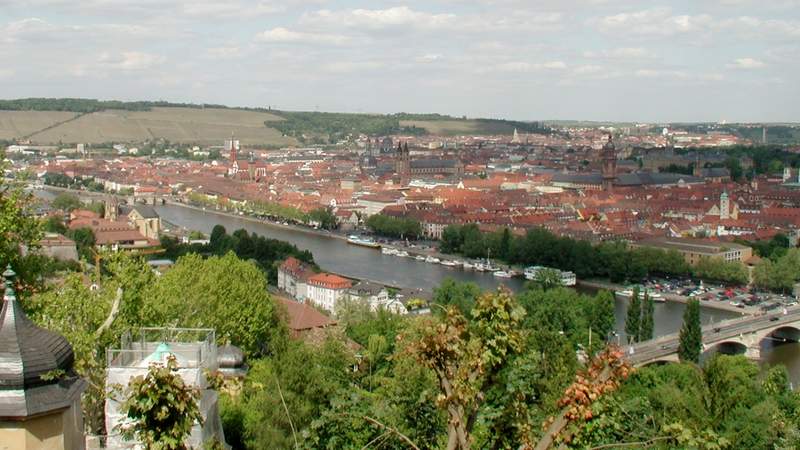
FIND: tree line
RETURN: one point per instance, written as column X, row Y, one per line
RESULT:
column 614, row 260
column 265, row 252
column 396, row 227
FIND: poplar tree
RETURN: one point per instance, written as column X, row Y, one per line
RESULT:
column 634, row 317
column 647, row 325
column 691, row 337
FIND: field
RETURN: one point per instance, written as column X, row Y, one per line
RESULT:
column 16, row 124
column 460, row 127
column 180, row 125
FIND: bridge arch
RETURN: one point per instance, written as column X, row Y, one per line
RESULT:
column 782, row 334
column 729, row 347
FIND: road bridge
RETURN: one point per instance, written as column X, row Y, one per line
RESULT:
column 743, row 336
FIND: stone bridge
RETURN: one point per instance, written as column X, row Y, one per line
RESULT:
column 740, row 336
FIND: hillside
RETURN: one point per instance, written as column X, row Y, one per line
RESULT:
column 74, row 120
column 175, row 124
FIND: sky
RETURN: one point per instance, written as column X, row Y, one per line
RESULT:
column 620, row 60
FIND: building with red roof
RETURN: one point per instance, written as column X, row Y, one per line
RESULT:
column 325, row 290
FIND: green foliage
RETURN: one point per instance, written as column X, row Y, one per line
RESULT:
column 222, row 292
column 54, row 224
column 647, row 324
column 723, row 406
column 324, row 217
column 17, row 226
column 86, row 105
column 303, row 378
column 265, row 252
column 780, row 275
column 547, row 278
column 460, row 295
column 540, row 247
column 333, row 127
column 717, row 269
column 394, row 227
column 691, row 338
column 161, row 407
column 84, row 241
column 633, row 318
column 601, row 314
column 66, row 202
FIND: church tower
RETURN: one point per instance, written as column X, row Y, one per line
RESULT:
column 403, row 163
column 724, row 206
column 609, row 157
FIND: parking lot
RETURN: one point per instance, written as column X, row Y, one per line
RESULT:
column 739, row 297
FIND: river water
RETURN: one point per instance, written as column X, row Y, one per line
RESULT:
column 336, row 255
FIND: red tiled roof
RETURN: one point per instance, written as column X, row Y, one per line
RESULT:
column 303, row 317
column 329, row 281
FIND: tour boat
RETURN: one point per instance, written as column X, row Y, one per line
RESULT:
column 626, row 293
column 501, row 274
column 362, row 241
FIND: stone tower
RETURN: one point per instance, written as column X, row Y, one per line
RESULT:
column 724, row 206
column 111, row 208
column 609, row 157
column 403, row 163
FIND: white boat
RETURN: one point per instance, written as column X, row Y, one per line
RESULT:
column 388, row 251
column 568, row 278
column 432, row 260
column 419, row 258
column 402, row 253
column 501, row 274
column 449, row 263
column 626, row 293
column 362, row 241
column 657, row 298
column 468, row 265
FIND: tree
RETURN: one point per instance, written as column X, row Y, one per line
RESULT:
column 465, row 356
column 691, row 338
column 66, row 202
column 17, row 226
column 324, row 217
column 222, row 292
column 460, row 295
column 217, row 235
column 451, row 239
column 547, row 278
column 84, row 241
column 54, row 224
column 647, row 325
column 601, row 318
column 633, row 317
column 161, row 407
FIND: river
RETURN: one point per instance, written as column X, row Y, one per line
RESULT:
column 336, row 255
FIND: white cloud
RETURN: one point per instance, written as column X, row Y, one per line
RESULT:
column 343, row 67
column 746, row 63
column 652, row 22
column 521, row 66
column 130, row 60
column 284, row 35
column 621, row 53
column 378, row 19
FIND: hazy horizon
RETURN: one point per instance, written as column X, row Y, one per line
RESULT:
column 568, row 60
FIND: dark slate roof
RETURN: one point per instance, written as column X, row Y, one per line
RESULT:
column 433, row 163
column 627, row 179
column 26, row 353
column 713, row 172
column 146, row 211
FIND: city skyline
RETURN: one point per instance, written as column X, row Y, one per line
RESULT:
column 605, row 60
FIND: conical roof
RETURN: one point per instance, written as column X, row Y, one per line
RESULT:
column 27, row 352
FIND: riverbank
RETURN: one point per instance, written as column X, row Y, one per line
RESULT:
column 609, row 286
